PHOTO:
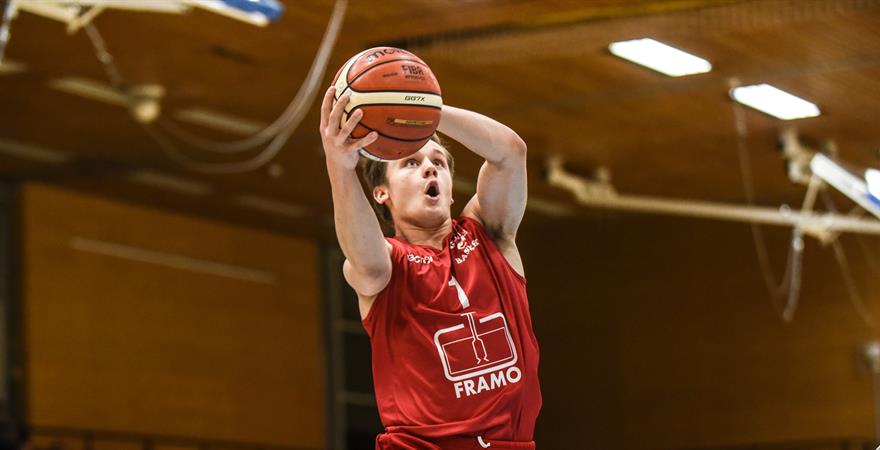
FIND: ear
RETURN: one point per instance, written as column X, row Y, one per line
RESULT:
column 380, row 194
column 451, row 193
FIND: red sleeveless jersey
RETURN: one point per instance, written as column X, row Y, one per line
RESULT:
column 454, row 354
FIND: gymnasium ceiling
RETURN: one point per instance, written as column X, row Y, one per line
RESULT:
column 542, row 67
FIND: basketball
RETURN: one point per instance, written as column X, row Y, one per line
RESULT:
column 399, row 96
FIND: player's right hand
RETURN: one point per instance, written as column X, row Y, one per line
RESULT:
column 339, row 148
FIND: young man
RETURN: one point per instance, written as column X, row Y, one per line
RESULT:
column 455, row 361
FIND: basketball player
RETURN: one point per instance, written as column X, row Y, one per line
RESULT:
column 455, row 360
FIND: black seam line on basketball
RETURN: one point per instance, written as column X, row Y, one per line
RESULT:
column 396, row 138
column 337, row 97
column 394, row 92
column 364, row 71
column 369, row 68
column 388, row 104
column 349, row 88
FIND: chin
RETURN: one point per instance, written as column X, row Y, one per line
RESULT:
column 433, row 217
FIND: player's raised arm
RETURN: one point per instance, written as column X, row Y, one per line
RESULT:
column 368, row 264
column 501, row 187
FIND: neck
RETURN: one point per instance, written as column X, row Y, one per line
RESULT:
column 432, row 236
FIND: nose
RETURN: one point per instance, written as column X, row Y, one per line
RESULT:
column 428, row 169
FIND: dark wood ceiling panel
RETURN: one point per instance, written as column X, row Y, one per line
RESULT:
column 541, row 67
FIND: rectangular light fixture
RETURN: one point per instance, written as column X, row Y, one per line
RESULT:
column 9, row 67
column 854, row 187
column 90, row 89
column 171, row 260
column 33, row 152
column 775, row 102
column 271, row 206
column 169, row 183
column 219, row 121
column 660, row 57
column 872, row 177
column 234, row 10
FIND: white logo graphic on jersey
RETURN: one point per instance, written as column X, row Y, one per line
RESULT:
column 459, row 242
column 475, row 348
column 427, row 259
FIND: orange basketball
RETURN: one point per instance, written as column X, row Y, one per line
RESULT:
column 399, row 96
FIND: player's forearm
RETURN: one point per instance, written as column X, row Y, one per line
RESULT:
column 357, row 228
column 490, row 139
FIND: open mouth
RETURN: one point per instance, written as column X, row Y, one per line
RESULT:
column 432, row 191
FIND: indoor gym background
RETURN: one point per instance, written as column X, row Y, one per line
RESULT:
column 160, row 295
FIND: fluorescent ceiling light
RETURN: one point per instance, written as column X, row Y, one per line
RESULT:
column 235, row 10
column 9, row 67
column 169, row 183
column 220, row 121
column 660, row 57
column 33, row 152
column 90, row 89
column 872, row 177
column 171, row 260
column 854, row 187
column 271, row 206
column 773, row 101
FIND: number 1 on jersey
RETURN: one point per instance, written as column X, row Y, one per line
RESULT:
column 462, row 297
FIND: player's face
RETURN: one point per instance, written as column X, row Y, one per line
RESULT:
column 419, row 187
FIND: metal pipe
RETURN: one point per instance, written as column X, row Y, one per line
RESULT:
column 593, row 194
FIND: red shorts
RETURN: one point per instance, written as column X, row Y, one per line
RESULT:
column 403, row 441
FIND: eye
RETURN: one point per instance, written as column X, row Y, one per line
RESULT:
column 440, row 163
column 411, row 163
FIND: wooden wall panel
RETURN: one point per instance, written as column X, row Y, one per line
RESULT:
column 145, row 321
column 658, row 333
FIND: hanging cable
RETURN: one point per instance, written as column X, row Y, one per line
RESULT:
column 851, row 288
column 284, row 126
column 872, row 260
column 869, row 255
column 793, row 270
column 104, row 56
column 789, row 285
column 278, row 132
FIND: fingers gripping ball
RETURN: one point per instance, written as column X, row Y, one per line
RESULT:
column 399, row 97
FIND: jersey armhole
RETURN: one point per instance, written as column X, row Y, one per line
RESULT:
column 486, row 236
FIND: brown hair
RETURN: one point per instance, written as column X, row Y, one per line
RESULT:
column 374, row 175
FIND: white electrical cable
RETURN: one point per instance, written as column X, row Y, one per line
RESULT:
column 284, row 125
column 852, row 289
column 842, row 261
column 793, row 270
column 279, row 131
column 104, row 56
column 868, row 254
column 789, row 286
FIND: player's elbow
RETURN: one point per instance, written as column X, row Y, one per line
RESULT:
column 518, row 147
column 514, row 154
